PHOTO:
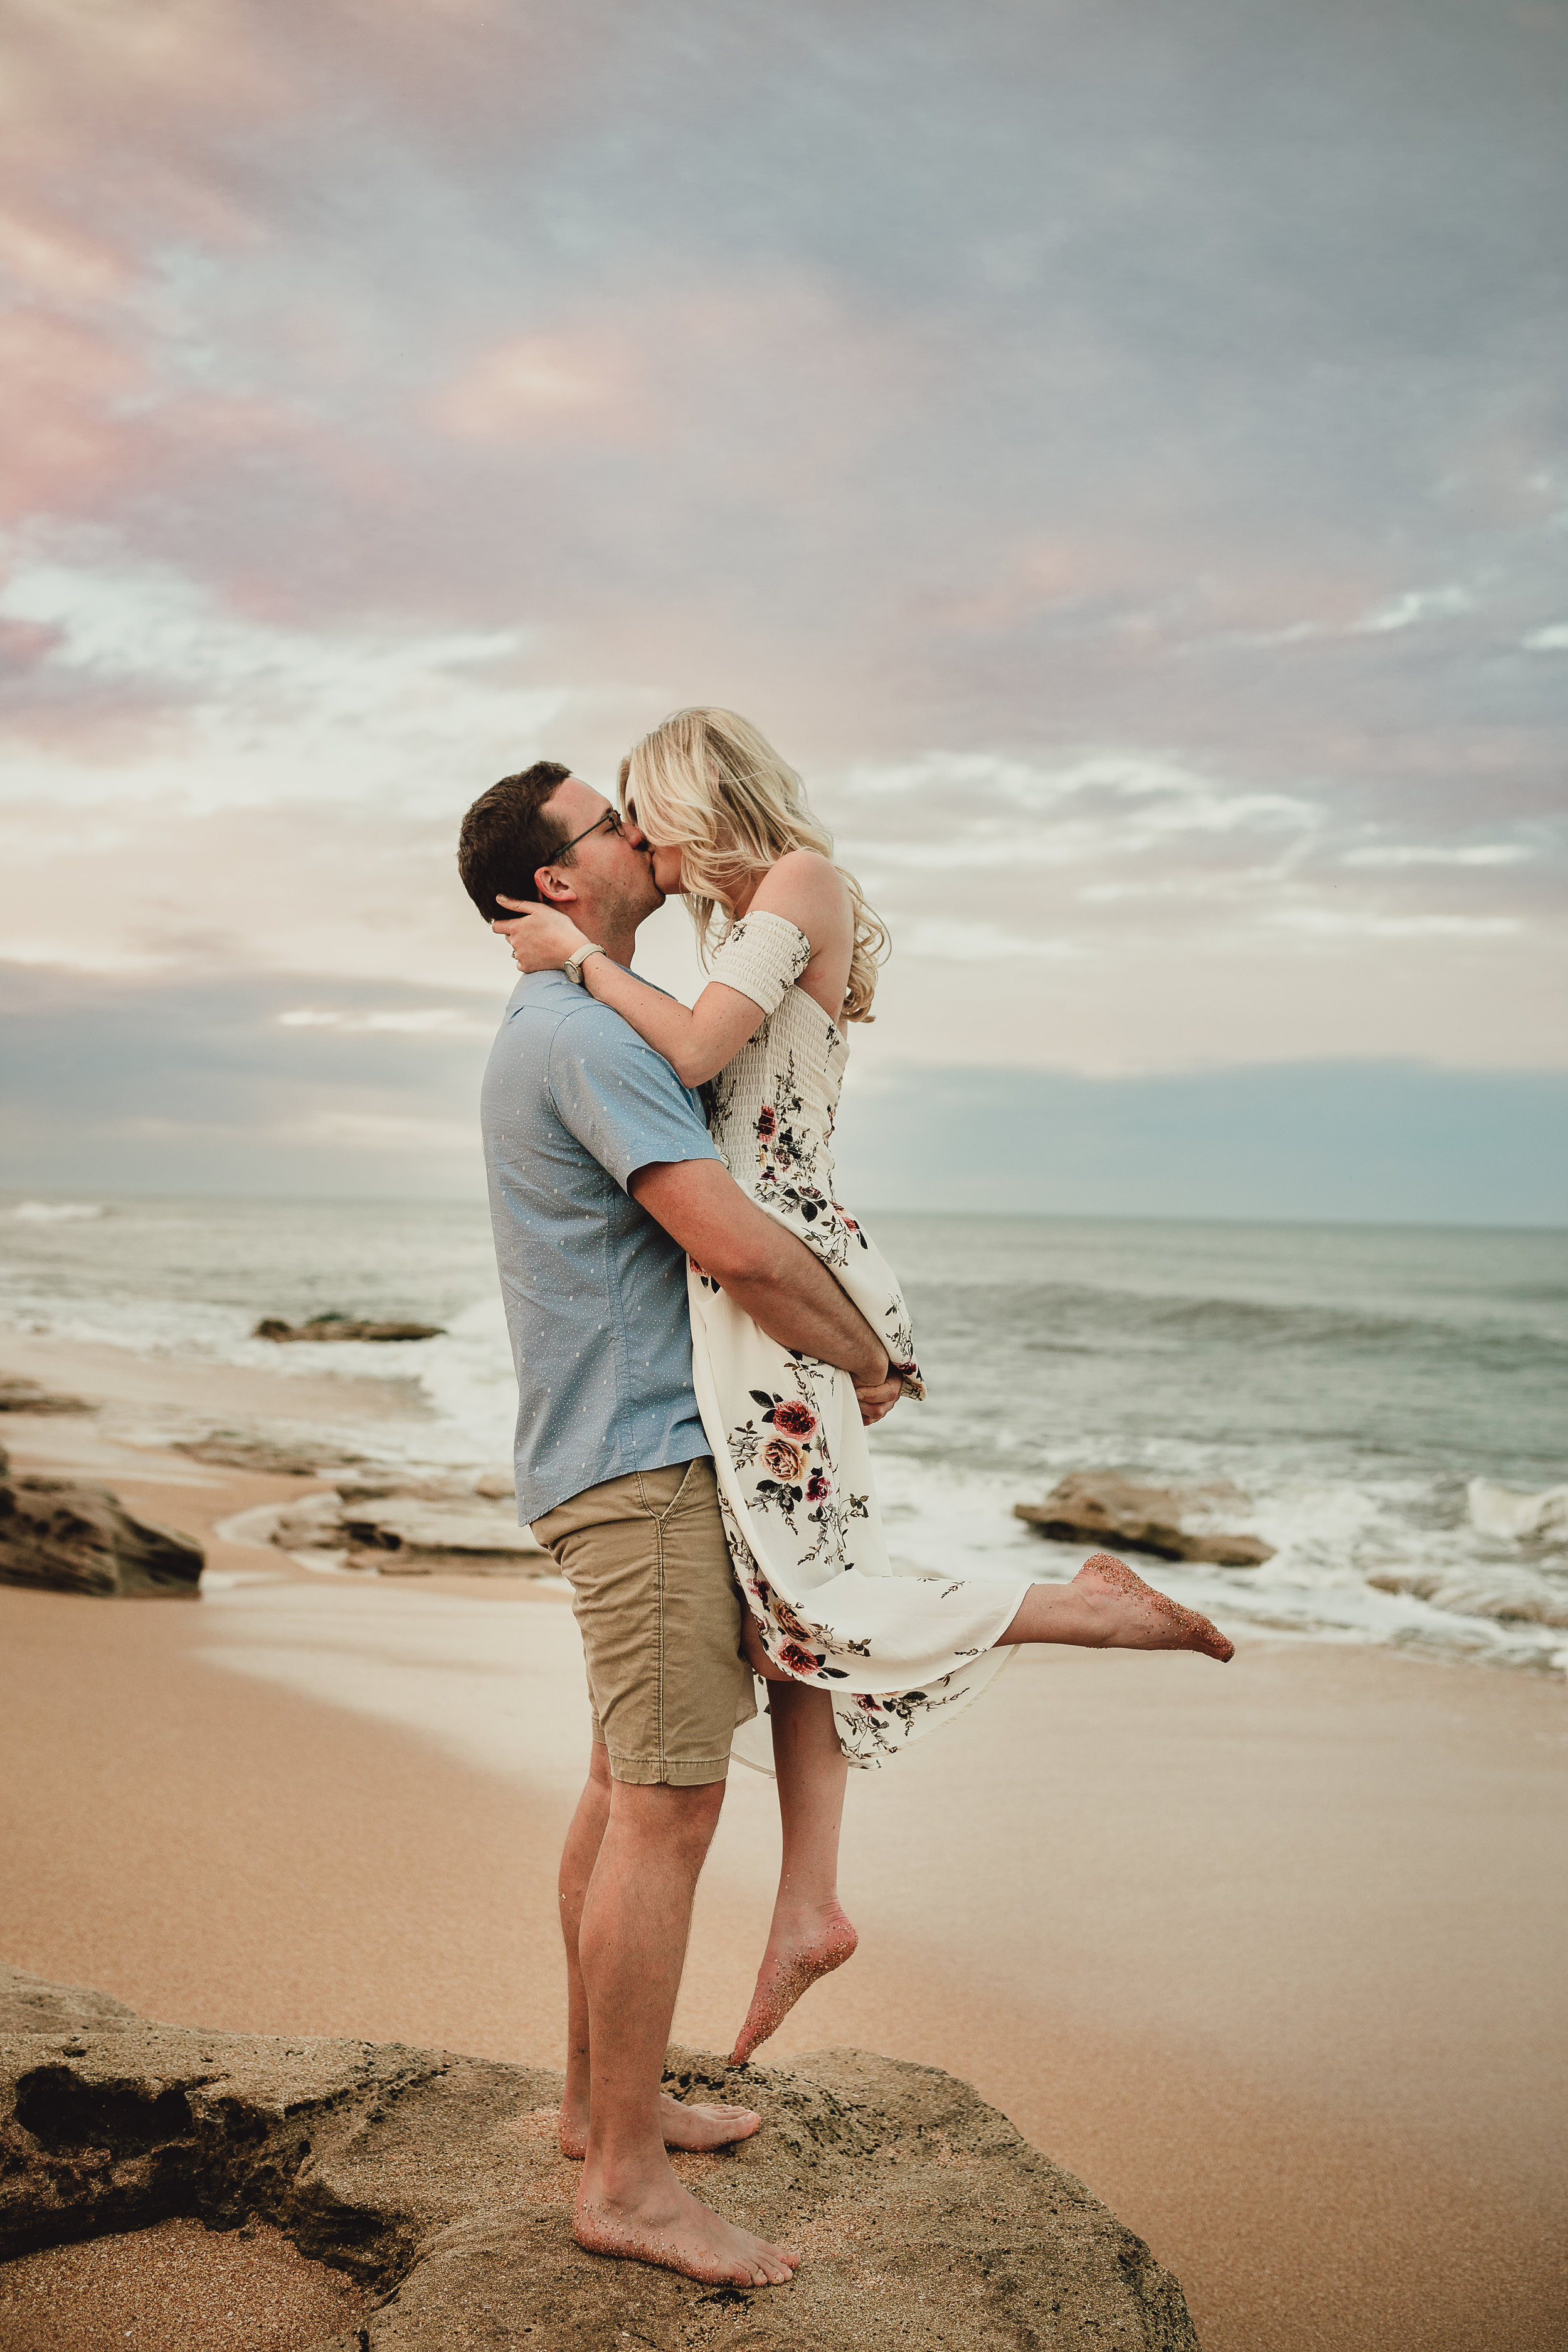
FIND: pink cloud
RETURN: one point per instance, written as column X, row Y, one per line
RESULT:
column 160, row 117
column 543, row 385
column 773, row 387
column 55, row 259
column 63, row 445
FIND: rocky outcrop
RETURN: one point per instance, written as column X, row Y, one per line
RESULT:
column 1171, row 1522
column 482, row 1535
column 62, row 1535
column 1496, row 1510
column 247, row 1449
column 435, row 2182
column 27, row 1396
column 341, row 1327
column 33, row 2005
column 415, row 1526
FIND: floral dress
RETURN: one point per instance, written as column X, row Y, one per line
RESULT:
column 899, row 1650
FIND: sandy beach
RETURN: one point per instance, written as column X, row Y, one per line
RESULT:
column 1270, row 1957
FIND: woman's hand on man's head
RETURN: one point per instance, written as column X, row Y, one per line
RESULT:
column 541, row 937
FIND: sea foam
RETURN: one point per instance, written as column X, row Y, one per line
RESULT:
column 56, row 1212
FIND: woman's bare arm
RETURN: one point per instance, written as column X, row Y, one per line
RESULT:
column 697, row 1044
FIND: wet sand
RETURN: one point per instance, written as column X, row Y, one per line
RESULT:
column 1271, row 1955
column 144, row 1400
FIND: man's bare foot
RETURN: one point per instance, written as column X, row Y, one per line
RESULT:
column 698, row 2129
column 1149, row 1620
column 667, row 2225
column 796, row 1957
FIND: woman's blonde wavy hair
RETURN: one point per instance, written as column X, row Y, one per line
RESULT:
column 708, row 783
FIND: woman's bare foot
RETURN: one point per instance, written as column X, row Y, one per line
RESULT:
column 1147, row 1620
column 665, row 2224
column 798, row 1953
column 698, row 2129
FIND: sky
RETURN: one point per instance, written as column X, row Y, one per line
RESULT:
column 1116, row 450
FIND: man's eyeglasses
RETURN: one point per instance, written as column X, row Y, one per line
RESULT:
column 611, row 817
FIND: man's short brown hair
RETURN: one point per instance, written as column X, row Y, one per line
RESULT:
column 507, row 836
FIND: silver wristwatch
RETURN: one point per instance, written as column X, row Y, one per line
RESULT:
column 573, row 967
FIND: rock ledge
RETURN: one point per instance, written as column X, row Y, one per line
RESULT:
column 69, row 1535
column 1171, row 1522
column 434, row 2180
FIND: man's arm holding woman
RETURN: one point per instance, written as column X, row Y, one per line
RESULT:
column 783, row 1286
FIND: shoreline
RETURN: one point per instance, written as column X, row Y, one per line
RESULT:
column 1266, row 1955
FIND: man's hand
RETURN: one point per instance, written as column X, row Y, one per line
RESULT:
column 877, row 1403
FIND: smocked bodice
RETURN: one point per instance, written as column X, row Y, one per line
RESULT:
column 772, row 1109
column 774, row 1106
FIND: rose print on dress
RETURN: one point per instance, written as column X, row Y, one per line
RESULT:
column 796, row 1420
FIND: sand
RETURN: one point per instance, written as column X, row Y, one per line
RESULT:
column 207, row 2291
column 1271, row 1955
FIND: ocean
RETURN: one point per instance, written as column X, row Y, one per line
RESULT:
column 1351, row 1380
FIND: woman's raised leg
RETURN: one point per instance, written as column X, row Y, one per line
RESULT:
column 1108, row 1606
column 810, row 1934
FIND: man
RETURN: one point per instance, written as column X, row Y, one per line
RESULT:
column 603, row 1181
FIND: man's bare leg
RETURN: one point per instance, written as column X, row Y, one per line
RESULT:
column 1108, row 1606
column 699, row 2128
column 810, row 1932
column 631, row 1942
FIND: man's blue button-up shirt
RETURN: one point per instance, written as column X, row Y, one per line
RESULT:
column 573, row 1105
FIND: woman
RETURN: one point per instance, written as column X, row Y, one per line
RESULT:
column 859, row 1659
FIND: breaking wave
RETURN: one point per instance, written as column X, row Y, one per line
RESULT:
column 56, row 1213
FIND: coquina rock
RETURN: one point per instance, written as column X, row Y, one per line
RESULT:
column 27, row 1396
column 1090, row 1505
column 415, row 1526
column 435, row 2181
column 300, row 1457
column 480, row 1535
column 64, row 1534
column 341, row 1327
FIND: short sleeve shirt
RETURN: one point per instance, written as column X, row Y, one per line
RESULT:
column 573, row 1105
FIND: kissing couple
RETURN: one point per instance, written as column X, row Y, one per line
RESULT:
column 702, row 1335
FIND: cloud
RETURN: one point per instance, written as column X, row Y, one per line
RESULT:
column 256, row 711
column 946, row 942
column 1477, row 853
column 424, row 1020
column 1035, row 419
column 1415, row 605
column 1367, row 923
column 163, row 1088
column 1372, row 1142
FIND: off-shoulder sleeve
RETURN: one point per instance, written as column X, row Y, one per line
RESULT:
column 764, row 956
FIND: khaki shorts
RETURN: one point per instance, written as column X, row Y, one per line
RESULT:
column 657, row 1603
